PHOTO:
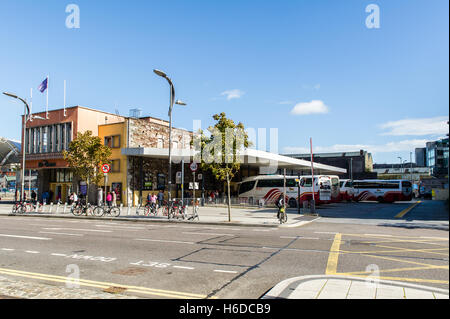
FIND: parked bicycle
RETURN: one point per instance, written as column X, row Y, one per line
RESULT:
column 282, row 216
column 147, row 210
column 82, row 209
column 113, row 211
column 19, row 208
column 177, row 210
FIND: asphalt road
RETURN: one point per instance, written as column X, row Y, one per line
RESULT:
column 156, row 260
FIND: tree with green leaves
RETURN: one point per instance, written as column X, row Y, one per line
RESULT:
column 85, row 155
column 220, row 152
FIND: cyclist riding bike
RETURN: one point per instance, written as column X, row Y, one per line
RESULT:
column 280, row 204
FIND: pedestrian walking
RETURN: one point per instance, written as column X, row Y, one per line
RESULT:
column 114, row 198
column 109, row 199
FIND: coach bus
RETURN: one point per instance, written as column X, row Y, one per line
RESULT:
column 268, row 188
column 346, row 189
column 387, row 191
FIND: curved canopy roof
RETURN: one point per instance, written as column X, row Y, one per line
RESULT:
column 9, row 151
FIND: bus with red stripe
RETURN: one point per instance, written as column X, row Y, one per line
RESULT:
column 268, row 188
column 387, row 191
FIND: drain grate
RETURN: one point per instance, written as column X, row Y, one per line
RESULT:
column 130, row 271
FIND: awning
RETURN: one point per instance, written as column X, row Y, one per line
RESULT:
column 269, row 162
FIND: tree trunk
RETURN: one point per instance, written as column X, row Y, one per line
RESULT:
column 229, row 198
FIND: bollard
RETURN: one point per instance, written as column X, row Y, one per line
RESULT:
column 43, row 207
column 128, row 210
column 36, row 207
column 50, row 207
column 57, row 208
column 65, row 207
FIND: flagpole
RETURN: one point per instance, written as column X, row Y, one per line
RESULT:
column 64, row 98
column 313, row 206
column 46, row 110
column 31, row 103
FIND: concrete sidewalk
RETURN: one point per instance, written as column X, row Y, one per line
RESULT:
column 344, row 287
column 265, row 217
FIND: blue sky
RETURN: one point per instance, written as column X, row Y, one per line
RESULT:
column 308, row 68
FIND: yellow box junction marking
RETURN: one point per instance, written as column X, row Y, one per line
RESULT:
column 335, row 251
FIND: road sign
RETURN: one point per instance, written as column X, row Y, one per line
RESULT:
column 178, row 178
column 193, row 166
column 106, row 168
column 200, row 176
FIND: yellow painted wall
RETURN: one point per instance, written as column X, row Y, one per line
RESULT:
column 121, row 176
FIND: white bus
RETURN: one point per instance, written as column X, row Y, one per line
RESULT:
column 268, row 188
column 382, row 190
column 346, row 189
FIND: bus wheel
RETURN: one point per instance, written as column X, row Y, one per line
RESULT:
column 292, row 203
column 380, row 199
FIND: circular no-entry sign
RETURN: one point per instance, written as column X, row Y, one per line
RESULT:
column 193, row 166
column 106, row 168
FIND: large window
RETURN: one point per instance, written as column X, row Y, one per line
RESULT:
column 246, row 186
column 48, row 139
column 112, row 141
column 115, row 166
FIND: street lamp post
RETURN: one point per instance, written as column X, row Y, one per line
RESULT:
column 400, row 165
column 26, row 109
column 172, row 98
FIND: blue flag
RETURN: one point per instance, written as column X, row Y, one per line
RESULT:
column 43, row 85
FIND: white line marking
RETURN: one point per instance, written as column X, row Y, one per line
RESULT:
column 165, row 241
column 49, row 232
column 226, row 271
column 8, row 249
column 94, row 230
column 212, row 234
column 25, row 237
column 60, row 255
column 183, row 267
column 434, row 237
column 31, row 251
column 135, row 228
column 325, row 232
column 289, row 237
column 380, row 235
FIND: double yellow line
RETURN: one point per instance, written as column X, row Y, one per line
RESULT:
column 103, row 285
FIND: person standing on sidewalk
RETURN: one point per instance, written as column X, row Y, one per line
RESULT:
column 109, row 199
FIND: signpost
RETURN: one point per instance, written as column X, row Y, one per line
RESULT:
column 105, row 169
column 193, row 168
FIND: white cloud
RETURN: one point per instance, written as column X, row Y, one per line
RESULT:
column 417, row 127
column 401, row 146
column 313, row 107
column 233, row 94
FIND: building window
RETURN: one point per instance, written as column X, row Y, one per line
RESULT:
column 112, row 141
column 115, row 166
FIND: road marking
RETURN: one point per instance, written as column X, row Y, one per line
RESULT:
column 25, row 237
column 93, row 230
column 334, row 255
column 104, row 285
column 31, row 251
column 226, row 271
column 49, row 232
column 8, row 249
column 59, row 255
column 325, row 232
column 165, row 241
column 126, row 227
column 184, row 267
column 378, row 235
column 407, row 210
column 212, row 234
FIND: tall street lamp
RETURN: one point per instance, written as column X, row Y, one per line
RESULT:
column 26, row 109
column 172, row 98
